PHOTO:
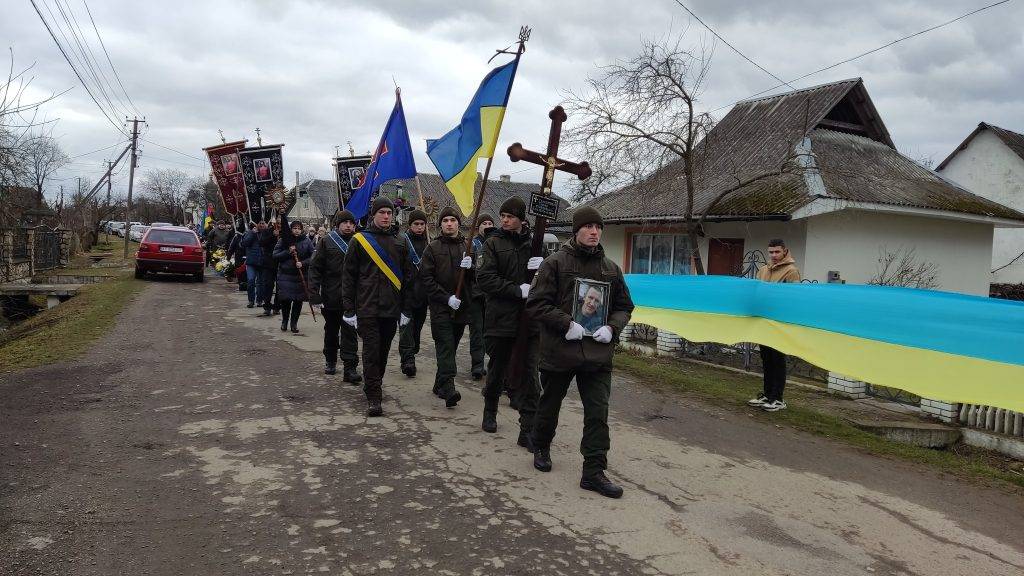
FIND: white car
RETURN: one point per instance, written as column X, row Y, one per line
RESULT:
column 137, row 232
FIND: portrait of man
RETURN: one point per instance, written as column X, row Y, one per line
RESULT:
column 261, row 166
column 230, row 164
column 590, row 309
column 355, row 176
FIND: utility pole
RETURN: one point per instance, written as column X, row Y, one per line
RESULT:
column 131, row 182
column 106, row 204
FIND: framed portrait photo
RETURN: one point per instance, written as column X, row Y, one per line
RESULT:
column 229, row 162
column 590, row 305
column 262, row 169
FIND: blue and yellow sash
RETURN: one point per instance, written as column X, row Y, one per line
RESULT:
column 380, row 258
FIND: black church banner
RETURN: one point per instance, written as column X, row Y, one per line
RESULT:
column 349, row 173
column 263, row 170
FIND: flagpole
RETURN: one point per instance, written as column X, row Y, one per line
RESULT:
column 423, row 205
column 524, row 35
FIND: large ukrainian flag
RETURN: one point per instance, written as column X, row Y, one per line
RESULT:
column 456, row 153
column 938, row 345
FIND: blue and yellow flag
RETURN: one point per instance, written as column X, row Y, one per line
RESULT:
column 456, row 153
column 938, row 345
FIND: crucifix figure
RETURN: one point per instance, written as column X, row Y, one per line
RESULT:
column 259, row 141
column 551, row 162
column 221, row 132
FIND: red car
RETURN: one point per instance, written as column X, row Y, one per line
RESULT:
column 170, row 249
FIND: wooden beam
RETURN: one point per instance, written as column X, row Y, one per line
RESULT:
column 843, row 126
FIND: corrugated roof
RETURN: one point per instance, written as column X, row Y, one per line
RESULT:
column 1013, row 140
column 757, row 135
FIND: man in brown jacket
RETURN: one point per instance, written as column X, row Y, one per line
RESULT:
column 567, row 353
column 781, row 268
column 439, row 274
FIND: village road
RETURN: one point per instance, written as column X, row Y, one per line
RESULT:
column 197, row 438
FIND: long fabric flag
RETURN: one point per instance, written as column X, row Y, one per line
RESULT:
column 392, row 160
column 227, row 171
column 262, row 170
column 456, row 154
column 939, row 345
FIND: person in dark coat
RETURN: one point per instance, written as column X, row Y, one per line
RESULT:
column 477, row 348
column 268, row 273
column 377, row 298
column 409, row 335
column 502, row 278
column 567, row 354
column 254, row 263
column 325, row 274
column 218, row 237
column 289, row 283
column 443, row 260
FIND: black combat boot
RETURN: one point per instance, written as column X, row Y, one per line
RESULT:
column 284, row 324
column 525, row 440
column 351, row 375
column 373, row 408
column 409, row 370
column 490, row 422
column 330, row 367
column 479, row 374
column 542, row 459
column 601, row 484
column 451, row 396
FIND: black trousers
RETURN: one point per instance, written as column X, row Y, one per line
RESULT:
column 409, row 337
column 595, row 390
column 339, row 336
column 773, row 365
column 377, row 334
column 446, row 336
column 268, row 278
column 526, row 392
column 290, row 311
column 477, row 346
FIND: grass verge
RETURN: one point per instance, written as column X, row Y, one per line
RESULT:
column 66, row 331
column 732, row 390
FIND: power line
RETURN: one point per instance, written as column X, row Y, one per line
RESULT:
column 734, row 49
column 75, row 70
column 107, row 87
column 100, row 149
column 872, row 51
column 172, row 149
column 109, row 61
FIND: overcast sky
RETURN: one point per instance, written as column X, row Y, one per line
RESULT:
column 316, row 74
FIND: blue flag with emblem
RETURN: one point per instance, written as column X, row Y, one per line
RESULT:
column 391, row 160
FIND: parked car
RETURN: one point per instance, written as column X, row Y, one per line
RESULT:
column 116, row 228
column 137, row 232
column 124, row 230
column 170, row 249
column 162, row 224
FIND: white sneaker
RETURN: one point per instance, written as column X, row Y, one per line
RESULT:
column 774, row 406
column 761, row 400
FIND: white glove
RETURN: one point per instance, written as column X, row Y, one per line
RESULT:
column 575, row 332
column 403, row 320
column 525, row 289
column 534, row 263
column 318, row 307
column 454, row 302
column 603, row 334
column 351, row 321
column 467, row 262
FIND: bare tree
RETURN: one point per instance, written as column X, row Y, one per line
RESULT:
column 901, row 267
column 170, row 189
column 42, row 157
column 639, row 115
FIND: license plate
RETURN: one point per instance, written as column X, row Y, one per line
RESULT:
column 170, row 249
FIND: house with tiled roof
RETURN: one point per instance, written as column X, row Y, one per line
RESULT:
column 990, row 163
column 853, row 198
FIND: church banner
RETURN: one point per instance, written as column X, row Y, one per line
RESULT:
column 227, row 171
column 263, row 170
column 349, row 173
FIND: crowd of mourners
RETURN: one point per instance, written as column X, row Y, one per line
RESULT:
column 537, row 321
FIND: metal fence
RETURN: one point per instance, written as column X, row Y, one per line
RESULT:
column 46, row 253
column 19, row 249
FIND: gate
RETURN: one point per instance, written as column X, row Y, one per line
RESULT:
column 46, row 247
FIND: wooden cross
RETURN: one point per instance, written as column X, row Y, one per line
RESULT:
column 551, row 162
column 259, row 141
column 221, row 132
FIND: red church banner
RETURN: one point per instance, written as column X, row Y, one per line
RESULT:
column 227, row 170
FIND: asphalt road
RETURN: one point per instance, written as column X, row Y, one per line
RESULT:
column 196, row 438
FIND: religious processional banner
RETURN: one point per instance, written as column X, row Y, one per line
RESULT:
column 227, row 171
column 349, row 173
column 263, row 170
column 938, row 345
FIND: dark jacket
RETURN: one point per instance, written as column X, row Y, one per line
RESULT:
column 217, row 238
column 366, row 291
column 289, row 285
column 478, row 247
column 419, row 295
column 267, row 241
column 551, row 303
column 235, row 249
column 325, row 272
column 253, row 252
column 439, row 275
column 503, row 269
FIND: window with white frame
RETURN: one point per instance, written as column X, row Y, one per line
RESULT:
column 660, row 254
